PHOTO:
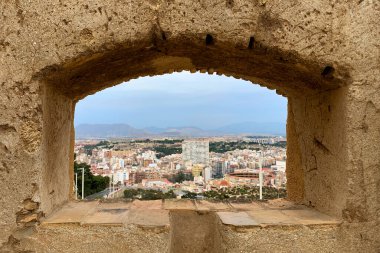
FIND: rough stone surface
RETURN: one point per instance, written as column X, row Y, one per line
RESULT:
column 237, row 219
column 187, row 230
column 95, row 238
column 323, row 238
column 322, row 55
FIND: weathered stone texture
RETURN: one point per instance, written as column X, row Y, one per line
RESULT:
column 75, row 238
column 296, row 239
column 322, row 55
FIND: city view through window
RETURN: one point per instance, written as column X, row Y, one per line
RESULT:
column 181, row 135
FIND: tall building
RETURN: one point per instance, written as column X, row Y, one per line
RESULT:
column 217, row 169
column 280, row 166
column 206, row 173
column 195, row 151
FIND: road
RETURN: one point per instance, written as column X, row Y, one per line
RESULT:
column 99, row 195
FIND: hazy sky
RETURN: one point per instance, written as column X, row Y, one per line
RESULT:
column 182, row 99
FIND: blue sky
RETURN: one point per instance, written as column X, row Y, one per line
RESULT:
column 182, row 99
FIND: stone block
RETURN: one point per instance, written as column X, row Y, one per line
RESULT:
column 179, row 204
column 148, row 218
column 238, row 219
column 73, row 212
column 108, row 214
column 146, row 204
column 204, row 205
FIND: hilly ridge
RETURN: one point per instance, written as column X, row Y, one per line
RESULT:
column 87, row 131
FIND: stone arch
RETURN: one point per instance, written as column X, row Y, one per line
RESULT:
column 312, row 53
column 290, row 76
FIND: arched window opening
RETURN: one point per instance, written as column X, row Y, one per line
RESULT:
column 182, row 135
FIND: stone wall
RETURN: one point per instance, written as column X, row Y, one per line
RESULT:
column 322, row 55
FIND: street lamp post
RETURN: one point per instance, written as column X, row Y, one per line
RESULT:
column 82, row 182
column 76, row 185
column 261, row 176
column 109, row 188
column 113, row 185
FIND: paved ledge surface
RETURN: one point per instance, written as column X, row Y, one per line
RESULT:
column 155, row 213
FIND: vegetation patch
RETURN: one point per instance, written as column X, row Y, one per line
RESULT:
column 92, row 183
column 235, row 194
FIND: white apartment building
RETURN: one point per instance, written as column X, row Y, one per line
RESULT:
column 280, row 166
column 206, row 174
column 195, row 151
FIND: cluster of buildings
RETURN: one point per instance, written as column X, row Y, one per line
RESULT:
column 266, row 140
column 195, row 170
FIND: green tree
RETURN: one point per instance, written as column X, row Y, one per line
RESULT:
column 181, row 176
column 189, row 195
column 92, row 184
column 170, row 195
column 131, row 193
column 152, row 195
column 164, row 150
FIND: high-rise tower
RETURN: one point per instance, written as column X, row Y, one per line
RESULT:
column 196, row 151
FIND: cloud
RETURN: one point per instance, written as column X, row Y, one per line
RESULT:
column 182, row 99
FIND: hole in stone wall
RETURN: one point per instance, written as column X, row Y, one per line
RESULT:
column 328, row 72
column 151, row 161
column 209, row 40
column 163, row 35
column 251, row 43
column 230, row 3
column 173, row 136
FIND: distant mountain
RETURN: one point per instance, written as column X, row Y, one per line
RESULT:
column 187, row 132
column 87, row 131
column 275, row 128
column 108, row 130
column 155, row 130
